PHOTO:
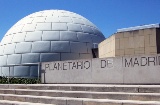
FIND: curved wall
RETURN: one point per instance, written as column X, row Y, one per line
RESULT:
column 50, row 35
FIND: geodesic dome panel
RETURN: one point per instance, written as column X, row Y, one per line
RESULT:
column 50, row 35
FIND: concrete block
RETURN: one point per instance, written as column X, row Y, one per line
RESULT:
column 65, row 19
column 117, row 44
column 153, row 53
column 129, row 51
column 3, row 60
column 154, row 31
column 43, row 46
column 104, row 55
column 128, row 34
column 112, row 45
column 119, row 52
column 153, row 49
column 139, row 41
column 19, row 37
column 141, row 32
column 59, row 26
column 77, row 21
column 60, row 46
column 103, row 43
column 30, row 58
column 131, row 42
column 1, row 50
column 119, row 35
column 75, row 27
column 113, row 52
column 107, row 47
column 122, row 44
column 47, row 57
column 152, row 40
column 52, row 19
column 33, row 36
column 146, row 40
column 9, row 48
column 38, row 19
column 14, row 59
column 147, row 31
column 126, row 41
column 29, row 27
column 34, row 71
column 43, row 26
column 68, row 36
column 78, row 47
column 69, row 56
column 8, row 71
column 139, row 51
column 87, row 29
column 21, row 71
column 84, row 37
column 100, row 53
column 136, row 33
column 147, row 50
column 23, row 47
column 51, row 35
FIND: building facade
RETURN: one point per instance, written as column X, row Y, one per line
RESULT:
column 44, row 36
column 140, row 40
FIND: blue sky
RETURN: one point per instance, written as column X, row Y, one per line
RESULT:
column 107, row 15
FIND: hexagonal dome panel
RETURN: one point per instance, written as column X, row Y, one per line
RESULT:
column 50, row 35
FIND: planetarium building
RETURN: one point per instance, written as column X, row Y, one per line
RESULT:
column 50, row 35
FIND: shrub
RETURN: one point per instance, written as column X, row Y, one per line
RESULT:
column 13, row 80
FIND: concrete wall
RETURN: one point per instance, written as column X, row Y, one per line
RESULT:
column 137, row 42
column 107, row 47
column 122, row 70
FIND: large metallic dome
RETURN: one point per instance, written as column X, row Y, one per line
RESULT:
column 50, row 35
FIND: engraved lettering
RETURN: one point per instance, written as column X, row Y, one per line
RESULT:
column 128, row 63
column 86, row 64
